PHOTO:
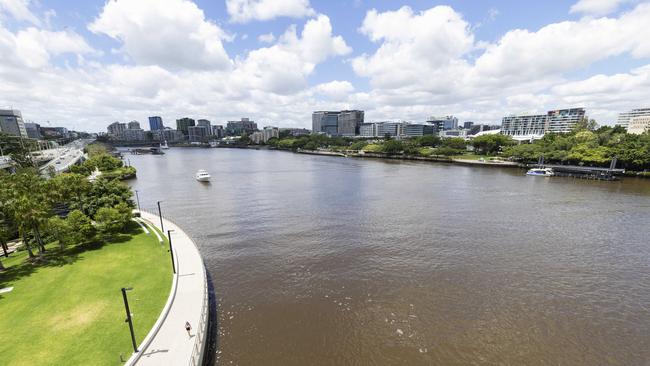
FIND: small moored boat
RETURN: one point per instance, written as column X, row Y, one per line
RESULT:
column 541, row 172
column 203, row 176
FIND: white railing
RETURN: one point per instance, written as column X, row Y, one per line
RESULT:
column 201, row 332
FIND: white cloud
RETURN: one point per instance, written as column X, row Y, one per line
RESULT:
column 338, row 90
column 431, row 60
column 284, row 67
column 174, row 33
column 19, row 9
column 266, row 38
column 242, row 11
column 596, row 7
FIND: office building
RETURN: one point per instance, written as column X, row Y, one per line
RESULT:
column 416, row 129
column 443, row 123
column 638, row 125
column 624, row 118
column 295, row 131
column 183, row 124
column 56, row 132
column 33, row 130
column 197, row 133
column 243, row 126
column 205, row 123
column 156, row 123
column 368, row 130
column 341, row 123
column 218, row 131
column 564, row 120
column 522, row 125
column 391, row 129
column 11, row 123
column 468, row 125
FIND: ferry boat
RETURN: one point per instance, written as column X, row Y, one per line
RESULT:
column 202, row 176
column 541, row 172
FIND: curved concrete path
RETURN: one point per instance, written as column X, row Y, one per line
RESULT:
column 168, row 343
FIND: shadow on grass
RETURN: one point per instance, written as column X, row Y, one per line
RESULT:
column 54, row 256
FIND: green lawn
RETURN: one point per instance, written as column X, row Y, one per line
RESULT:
column 69, row 310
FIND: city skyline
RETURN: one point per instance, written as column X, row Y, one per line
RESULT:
column 405, row 60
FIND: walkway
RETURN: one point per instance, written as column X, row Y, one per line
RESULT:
column 168, row 343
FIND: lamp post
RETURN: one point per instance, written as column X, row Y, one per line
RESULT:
column 162, row 228
column 171, row 251
column 137, row 199
column 128, row 317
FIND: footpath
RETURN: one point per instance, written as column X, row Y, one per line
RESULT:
column 168, row 343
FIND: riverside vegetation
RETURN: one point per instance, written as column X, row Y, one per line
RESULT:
column 585, row 145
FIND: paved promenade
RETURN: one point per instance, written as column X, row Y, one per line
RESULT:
column 168, row 343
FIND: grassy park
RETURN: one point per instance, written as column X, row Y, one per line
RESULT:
column 67, row 308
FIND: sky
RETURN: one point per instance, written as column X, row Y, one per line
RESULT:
column 86, row 64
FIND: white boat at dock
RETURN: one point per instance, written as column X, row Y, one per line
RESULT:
column 541, row 172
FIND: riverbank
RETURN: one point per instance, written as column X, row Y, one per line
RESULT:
column 66, row 308
column 168, row 343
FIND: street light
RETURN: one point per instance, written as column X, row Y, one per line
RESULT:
column 162, row 228
column 171, row 251
column 128, row 317
column 137, row 199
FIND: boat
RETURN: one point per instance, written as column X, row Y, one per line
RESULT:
column 202, row 176
column 541, row 172
column 164, row 145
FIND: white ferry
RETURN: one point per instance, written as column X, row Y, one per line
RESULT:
column 202, row 176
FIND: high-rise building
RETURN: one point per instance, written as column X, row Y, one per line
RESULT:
column 257, row 137
column 624, row 118
column 270, row 132
column 156, row 123
column 197, row 133
column 564, row 120
column 218, row 131
column 523, row 125
column 11, row 123
column 443, row 123
column 182, row 124
column 467, row 125
column 134, row 125
column 237, row 128
column 116, row 129
column 33, row 130
column 341, row 123
column 349, row 122
column 205, row 123
column 639, row 124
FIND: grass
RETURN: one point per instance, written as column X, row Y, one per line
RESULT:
column 68, row 309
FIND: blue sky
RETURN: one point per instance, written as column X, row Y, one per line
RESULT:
column 87, row 64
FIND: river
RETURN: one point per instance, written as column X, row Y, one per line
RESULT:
column 340, row 261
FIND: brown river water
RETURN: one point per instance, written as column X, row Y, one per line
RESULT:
column 340, row 261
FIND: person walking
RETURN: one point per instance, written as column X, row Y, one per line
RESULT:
column 188, row 328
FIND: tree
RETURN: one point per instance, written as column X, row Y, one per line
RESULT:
column 429, row 140
column 103, row 193
column 109, row 221
column 59, row 229
column 82, row 229
column 457, row 143
column 392, row 147
column 491, row 144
